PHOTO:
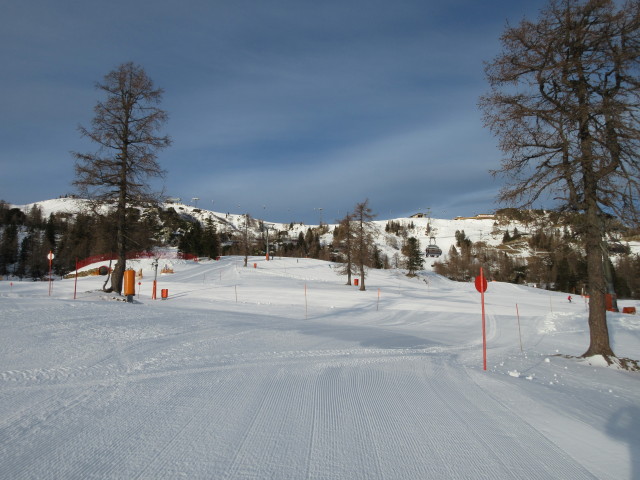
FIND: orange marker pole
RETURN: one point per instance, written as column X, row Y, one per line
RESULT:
column 484, row 329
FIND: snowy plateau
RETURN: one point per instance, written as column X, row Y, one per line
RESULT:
column 279, row 370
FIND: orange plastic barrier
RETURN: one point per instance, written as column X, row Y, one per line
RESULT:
column 129, row 282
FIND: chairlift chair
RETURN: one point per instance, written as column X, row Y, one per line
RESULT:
column 433, row 250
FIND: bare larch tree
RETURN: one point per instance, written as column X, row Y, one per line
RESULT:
column 125, row 128
column 344, row 241
column 364, row 230
column 563, row 102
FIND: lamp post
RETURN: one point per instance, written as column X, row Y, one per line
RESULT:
column 246, row 239
column 155, row 277
column 50, row 256
column 267, row 226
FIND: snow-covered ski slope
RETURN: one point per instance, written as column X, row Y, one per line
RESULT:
column 282, row 371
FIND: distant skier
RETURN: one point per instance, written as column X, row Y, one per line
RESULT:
column 569, row 298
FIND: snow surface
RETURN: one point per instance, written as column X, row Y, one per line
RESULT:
column 282, row 371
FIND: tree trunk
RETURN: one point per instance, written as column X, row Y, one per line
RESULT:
column 109, row 272
column 121, row 246
column 117, row 276
column 608, row 275
column 598, row 330
column 118, row 271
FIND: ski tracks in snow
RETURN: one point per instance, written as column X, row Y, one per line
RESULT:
column 230, row 399
column 335, row 415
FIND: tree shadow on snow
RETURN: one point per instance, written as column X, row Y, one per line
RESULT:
column 369, row 337
column 624, row 425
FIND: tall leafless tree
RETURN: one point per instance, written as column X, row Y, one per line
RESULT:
column 125, row 128
column 344, row 242
column 564, row 104
column 363, row 244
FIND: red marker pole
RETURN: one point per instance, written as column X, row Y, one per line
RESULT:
column 484, row 325
column 481, row 286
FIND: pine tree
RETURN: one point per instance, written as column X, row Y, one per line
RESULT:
column 414, row 261
column 192, row 241
column 8, row 247
column 210, row 240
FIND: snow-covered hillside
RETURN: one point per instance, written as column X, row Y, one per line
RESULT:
column 281, row 371
column 443, row 229
column 487, row 229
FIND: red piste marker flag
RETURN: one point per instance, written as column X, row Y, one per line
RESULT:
column 481, row 286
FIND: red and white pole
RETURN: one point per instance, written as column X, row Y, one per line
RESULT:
column 484, row 325
column 481, row 286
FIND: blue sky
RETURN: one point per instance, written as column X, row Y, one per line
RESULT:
column 276, row 108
